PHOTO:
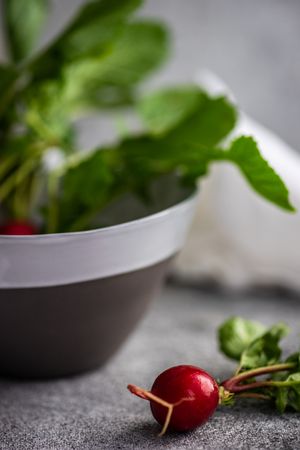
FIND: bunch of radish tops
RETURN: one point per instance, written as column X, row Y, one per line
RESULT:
column 51, row 181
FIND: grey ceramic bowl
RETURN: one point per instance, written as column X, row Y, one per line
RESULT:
column 68, row 301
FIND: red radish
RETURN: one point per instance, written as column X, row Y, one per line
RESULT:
column 18, row 228
column 182, row 397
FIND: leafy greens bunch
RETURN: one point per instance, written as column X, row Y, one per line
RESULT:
column 261, row 372
column 96, row 63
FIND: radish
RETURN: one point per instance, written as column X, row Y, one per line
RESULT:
column 182, row 397
column 18, row 228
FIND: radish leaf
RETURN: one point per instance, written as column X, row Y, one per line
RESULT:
column 23, row 20
column 245, row 154
column 264, row 350
column 236, row 334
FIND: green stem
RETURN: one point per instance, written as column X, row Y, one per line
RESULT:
column 7, row 164
column 53, row 187
column 41, row 128
column 232, row 383
column 261, row 384
column 22, row 171
column 282, row 383
column 7, row 97
column 35, row 190
column 20, row 202
column 253, row 395
column 17, row 177
column 238, row 369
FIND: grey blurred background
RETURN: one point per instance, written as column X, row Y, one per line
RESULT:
column 254, row 45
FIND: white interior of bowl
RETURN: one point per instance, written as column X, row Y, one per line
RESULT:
column 57, row 259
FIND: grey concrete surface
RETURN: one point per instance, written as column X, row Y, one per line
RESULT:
column 95, row 411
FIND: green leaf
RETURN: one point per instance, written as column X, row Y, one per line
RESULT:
column 288, row 394
column 95, row 26
column 8, row 77
column 85, row 186
column 103, row 97
column 165, row 109
column 48, row 113
column 281, row 399
column 294, row 358
column 236, row 334
column 141, row 160
column 146, row 157
column 104, row 80
column 189, row 122
column 90, row 34
column 24, row 20
column 264, row 350
column 294, row 391
column 130, row 166
column 139, row 49
column 264, row 180
column 208, row 124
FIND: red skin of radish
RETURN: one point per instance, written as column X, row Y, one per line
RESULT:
column 18, row 228
column 185, row 382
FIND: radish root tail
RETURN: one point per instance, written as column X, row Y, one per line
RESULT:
column 147, row 395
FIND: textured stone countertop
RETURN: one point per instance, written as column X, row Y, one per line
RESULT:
column 95, row 411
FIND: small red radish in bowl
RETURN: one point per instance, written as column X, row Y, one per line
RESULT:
column 182, row 397
column 16, row 227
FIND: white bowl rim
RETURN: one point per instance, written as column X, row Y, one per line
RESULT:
column 66, row 258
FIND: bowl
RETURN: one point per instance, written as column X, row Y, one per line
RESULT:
column 68, row 301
